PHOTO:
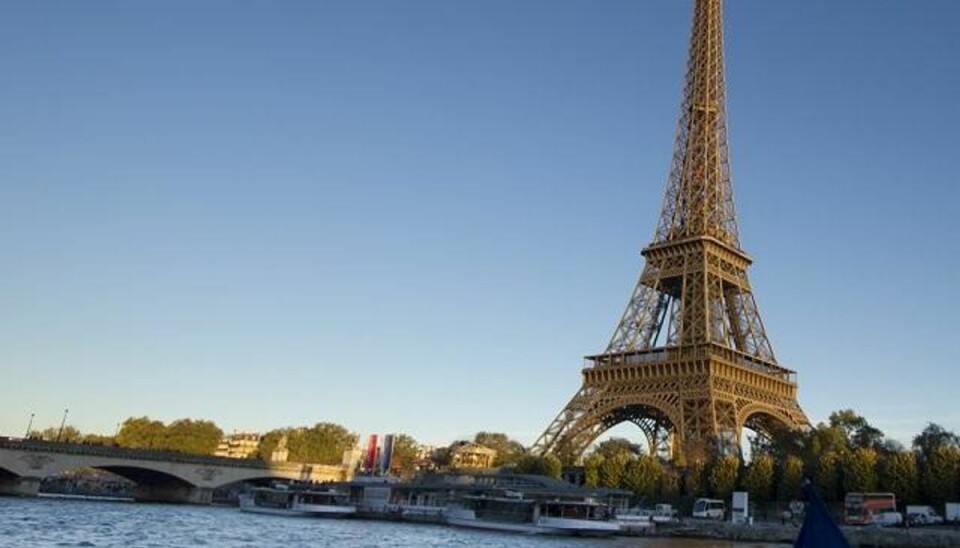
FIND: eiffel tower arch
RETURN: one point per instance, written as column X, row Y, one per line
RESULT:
column 689, row 363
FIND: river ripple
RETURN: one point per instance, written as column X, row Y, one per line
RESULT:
column 30, row 523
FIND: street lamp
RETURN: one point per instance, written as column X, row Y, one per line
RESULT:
column 62, row 423
column 29, row 426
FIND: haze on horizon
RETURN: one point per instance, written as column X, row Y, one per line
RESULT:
column 418, row 218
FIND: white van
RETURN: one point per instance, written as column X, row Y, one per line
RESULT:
column 709, row 509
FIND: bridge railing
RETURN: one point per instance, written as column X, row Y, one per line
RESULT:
column 40, row 446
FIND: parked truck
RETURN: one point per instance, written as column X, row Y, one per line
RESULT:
column 952, row 511
column 922, row 515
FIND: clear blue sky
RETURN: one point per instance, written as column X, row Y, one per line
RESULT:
column 419, row 216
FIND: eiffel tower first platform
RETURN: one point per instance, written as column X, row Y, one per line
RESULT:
column 689, row 363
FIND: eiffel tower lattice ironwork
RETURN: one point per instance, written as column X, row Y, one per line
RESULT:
column 689, row 362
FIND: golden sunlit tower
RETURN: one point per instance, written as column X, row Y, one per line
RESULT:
column 690, row 362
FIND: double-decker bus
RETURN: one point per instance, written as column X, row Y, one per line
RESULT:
column 867, row 508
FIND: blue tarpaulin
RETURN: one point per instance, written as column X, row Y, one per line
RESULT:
column 819, row 530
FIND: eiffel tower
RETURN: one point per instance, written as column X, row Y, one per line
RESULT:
column 689, row 363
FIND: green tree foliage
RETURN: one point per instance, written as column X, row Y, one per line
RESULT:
column 69, row 434
column 184, row 435
column 323, row 443
column 693, row 479
column 548, row 465
column 669, row 486
column 199, row 437
column 642, row 476
column 614, row 446
column 722, row 476
column 758, row 478
column 612, row 469
column 406, row 451
column 857, row 431
column 97, row 439
column 826, row 439
column 591, row 470
column 508, row 450
column 269, row 442
column 791, row 479
column 932, row 437
column 897, row 473
column 827, row 476
column 859, row 470
column 780, row 443
column 142, row 433
column 939, row 475
column 442, row 456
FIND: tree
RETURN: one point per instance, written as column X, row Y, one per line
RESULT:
column 69, row 434
column 669, row 487
column 780, row 443
column 97, row 439
column 614, row 446
column 323, row 443
column 858, row 469
column 939, row 474
column 932, row 437
column 142, row 433
column 442, row 456
column 508, row 450
column 791, row 479
column 591, row 470
column 693, row 479
column 827, row 476
column 268, row 443
column 758, row 478
column 857, row 431
column 612, row 469
column 548, row 465
column 200, row 437
column 406, row 452
column 897, row 473
column 642, row 476
column 827, row 439
column 722, row 476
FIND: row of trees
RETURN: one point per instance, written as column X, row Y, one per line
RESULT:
column 322, row 443
column 182, row 435
column 845, row 454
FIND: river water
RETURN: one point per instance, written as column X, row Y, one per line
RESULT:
column 28, row 523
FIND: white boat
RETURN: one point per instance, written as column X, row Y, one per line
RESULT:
column 296, row 502
column 644, row 519
column 530, row 516
column 635, row 521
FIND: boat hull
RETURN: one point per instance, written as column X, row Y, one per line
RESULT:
column 542, row 526
column 298, row 510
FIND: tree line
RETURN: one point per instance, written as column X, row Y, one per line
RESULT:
column 199, row 437
column 844, row 454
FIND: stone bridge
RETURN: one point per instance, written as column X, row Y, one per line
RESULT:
column 161, row 476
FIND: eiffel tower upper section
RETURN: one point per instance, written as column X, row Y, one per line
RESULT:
column 694, row 288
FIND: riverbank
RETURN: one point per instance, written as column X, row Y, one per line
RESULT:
column 774, row 533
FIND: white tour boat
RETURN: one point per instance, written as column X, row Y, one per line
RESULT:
column 530, row 516
column 285, row 501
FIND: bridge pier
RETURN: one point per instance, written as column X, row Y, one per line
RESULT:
column 19, row 486
column 177, row 494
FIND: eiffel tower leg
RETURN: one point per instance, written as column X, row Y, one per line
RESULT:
column 556, row 438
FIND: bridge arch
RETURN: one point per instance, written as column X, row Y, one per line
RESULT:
column 145, row 476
